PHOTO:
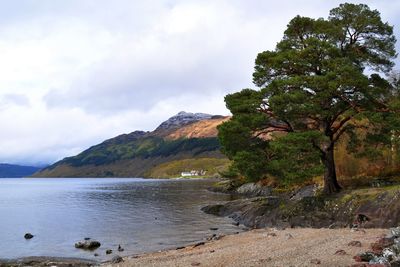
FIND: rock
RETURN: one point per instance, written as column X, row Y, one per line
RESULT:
column 315, row 261
column 198, row 244
column 218, row 237
column 340, row 252
column 389, row 254
column 211, row 237
column 88, row 244
column 236, row 223
column 354, row 243
column 117, row 259
column 379, row 262
column 120, row 249
column 195, row 264
column 271, row 234
column 382, row 243
column 178, row 248
column 181, row 119
column 213, row 228
column 381, row 183
column 212, row 251
column 395, row 232
column 87, row 238
column 28, row 236
column 109, row 251
column 365, row 256
column 307, row 191
column 254, row 190
column 362, row 218
column 96, row 255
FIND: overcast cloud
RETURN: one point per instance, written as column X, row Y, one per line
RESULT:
column 76, row 72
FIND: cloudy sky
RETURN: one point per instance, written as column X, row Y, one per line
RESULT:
column 76, row 72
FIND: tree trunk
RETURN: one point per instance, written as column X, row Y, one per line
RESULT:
column 331, row 184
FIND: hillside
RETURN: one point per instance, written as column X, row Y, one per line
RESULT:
column 15, row 171
column 173, row 147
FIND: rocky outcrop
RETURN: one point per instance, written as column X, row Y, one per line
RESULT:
column 181, row 119
column 361, row 208
column 306, row 191
column 254, row 190
column 383, row 252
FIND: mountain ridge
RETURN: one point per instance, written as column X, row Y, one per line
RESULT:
column 16, row 171
column 185, row 136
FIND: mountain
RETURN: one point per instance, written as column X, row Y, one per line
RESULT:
column 184, row 142
column 15, row 171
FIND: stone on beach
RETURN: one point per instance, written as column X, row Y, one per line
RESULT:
column 315, row 261
column 109, row 251
column 340, row 252
column 117, row 259
column 354, row 243
column 88, row 244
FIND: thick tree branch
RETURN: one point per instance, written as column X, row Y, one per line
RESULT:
column 336, row 128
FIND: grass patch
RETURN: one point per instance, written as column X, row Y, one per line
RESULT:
column 212, row 166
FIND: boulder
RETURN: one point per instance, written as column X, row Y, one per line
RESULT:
column 88, row 244
column 365, row 256
column 377, row 247
column 395, row 232
column 109, row 251
column 254, row 190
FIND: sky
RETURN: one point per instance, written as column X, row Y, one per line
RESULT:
column 76, row 72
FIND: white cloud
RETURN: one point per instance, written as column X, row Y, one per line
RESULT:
column 76, row 72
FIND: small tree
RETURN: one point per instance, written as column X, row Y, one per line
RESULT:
column 314, row 88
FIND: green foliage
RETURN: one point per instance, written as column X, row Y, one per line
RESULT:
column 297, row 159
column 142, row 147
column 251, row 164
column 212, row 166
column 315, row 88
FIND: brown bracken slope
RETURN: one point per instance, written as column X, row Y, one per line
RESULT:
column 200, row 129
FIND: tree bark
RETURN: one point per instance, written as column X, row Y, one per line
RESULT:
column 331, row 184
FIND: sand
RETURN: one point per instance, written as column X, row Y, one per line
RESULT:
column 266, row 247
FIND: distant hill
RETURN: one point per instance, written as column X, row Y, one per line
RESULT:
column 15, row 171
column 181, row 143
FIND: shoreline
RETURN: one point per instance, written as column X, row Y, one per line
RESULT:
column 256, row 247
column 48, row 261
column 265, row 247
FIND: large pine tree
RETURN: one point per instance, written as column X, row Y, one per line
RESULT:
column 324, row 76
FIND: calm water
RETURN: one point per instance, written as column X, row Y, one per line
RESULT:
column 141, row 215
